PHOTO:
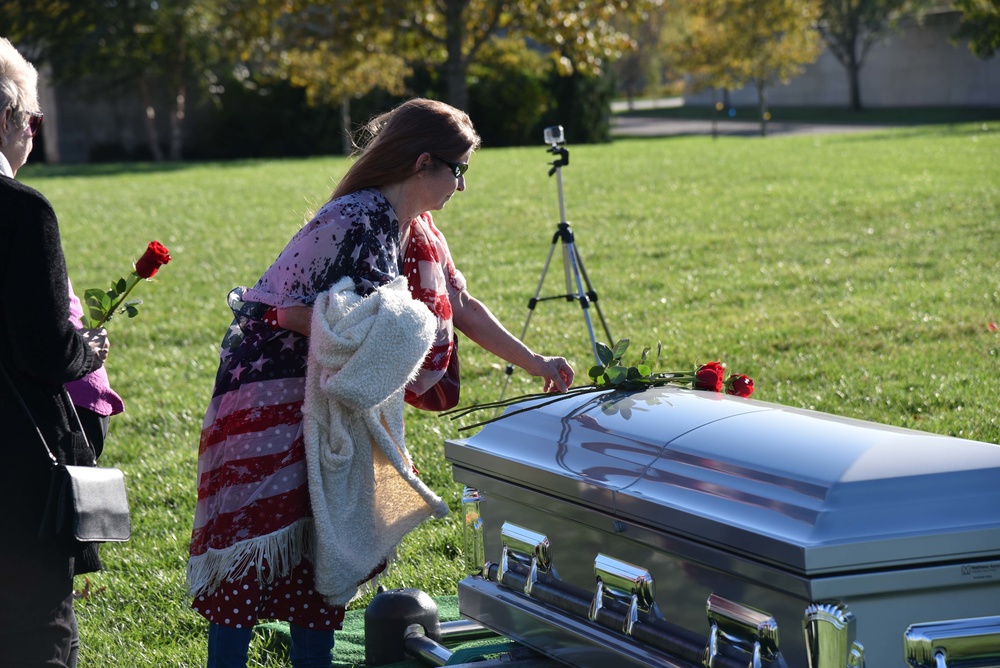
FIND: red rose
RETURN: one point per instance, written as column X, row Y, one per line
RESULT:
column 156, row 256
column 709, row 377
column 741, row 386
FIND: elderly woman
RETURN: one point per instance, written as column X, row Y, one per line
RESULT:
column 254, row 551
column 40, row 350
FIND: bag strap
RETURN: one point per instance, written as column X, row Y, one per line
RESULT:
column 27, row 411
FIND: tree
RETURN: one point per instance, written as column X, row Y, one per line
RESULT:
column 642, row 66
column 149, row 47
column 732, row 43
column 334, row 50
column 851, row 27
column 581, row 36
column 980, row 25
column 354, row 47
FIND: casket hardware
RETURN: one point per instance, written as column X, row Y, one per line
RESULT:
column 953, row 643
column 829, row 632
column 524, row 546
column 473, row 531
column 741, row 627
column 621, row 581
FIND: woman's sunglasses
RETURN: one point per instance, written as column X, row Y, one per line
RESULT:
column 457, row 168
column 34, row 123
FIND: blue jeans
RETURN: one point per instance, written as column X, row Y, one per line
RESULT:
column 228, row 647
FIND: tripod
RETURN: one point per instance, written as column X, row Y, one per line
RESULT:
column 573, row 269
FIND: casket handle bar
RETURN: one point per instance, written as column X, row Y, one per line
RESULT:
column 734, row 625
column 675, row 641
column 623, row 582
column 829, row 633
column 473, row 532
column 526, row 547
column 953, row 643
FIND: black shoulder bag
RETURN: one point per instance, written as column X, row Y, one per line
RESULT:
column 87, row 504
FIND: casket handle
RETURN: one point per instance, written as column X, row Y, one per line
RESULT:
column 473, row 531
column 742, row 627
column 526, row 547
column 623, row 582
column 953, row 643
column 829, row 634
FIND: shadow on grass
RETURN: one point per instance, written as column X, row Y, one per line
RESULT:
column 42, row 170
column 100, row 169
column 936, row 131
column 644, row 128
column 894, row 116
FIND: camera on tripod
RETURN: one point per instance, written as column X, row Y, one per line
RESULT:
column 578, row 286
column 554, row 137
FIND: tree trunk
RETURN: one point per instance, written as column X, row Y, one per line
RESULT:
column 345, row 120
column 179, row 107
column 852, row 64
column 455, row 65
column 764, row 115
column 177, row 123
column 152, row 136
column 854, row 78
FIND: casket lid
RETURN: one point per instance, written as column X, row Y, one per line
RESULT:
column 799, row 489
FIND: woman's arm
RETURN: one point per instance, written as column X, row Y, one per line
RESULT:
column 296, row 318
column 473, row 319
column 43, row 343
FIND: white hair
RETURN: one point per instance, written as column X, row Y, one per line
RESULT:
column 18, row 80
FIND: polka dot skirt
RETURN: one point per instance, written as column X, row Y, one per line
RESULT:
column 291, row 598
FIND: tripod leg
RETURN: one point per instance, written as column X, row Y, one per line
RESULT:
column 573, row 266
column 531, row 309
column 593, row 295
column 568, row 259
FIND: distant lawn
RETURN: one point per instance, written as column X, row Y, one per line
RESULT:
column 856, row 274
column 831, row 115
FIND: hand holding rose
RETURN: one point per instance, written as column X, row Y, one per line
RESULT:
column 102, row 305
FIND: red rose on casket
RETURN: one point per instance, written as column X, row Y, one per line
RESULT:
column 740, row 385
column 709, row 377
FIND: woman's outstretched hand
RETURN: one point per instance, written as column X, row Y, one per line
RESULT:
column 556, row 371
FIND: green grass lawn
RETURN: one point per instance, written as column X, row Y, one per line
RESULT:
column 854, row 274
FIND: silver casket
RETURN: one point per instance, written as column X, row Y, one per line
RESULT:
column 679, row 528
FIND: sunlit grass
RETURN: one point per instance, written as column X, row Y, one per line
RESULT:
column 853, row 274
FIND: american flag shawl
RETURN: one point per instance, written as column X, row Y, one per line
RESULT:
column 253, row 515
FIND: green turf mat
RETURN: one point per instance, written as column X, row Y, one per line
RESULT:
column 349, row 650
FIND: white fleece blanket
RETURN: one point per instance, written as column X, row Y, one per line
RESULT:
column 365, row 495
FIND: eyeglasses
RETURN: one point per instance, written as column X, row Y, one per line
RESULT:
column 457, row 168
column 34, row 123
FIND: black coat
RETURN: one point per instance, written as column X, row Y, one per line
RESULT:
column 40, row 350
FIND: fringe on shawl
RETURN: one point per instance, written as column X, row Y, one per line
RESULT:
column 372, row 584
column 280, row 551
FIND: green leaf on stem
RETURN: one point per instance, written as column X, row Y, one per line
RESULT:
column 620, row 349
column 616, row 375
column 604, row 353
